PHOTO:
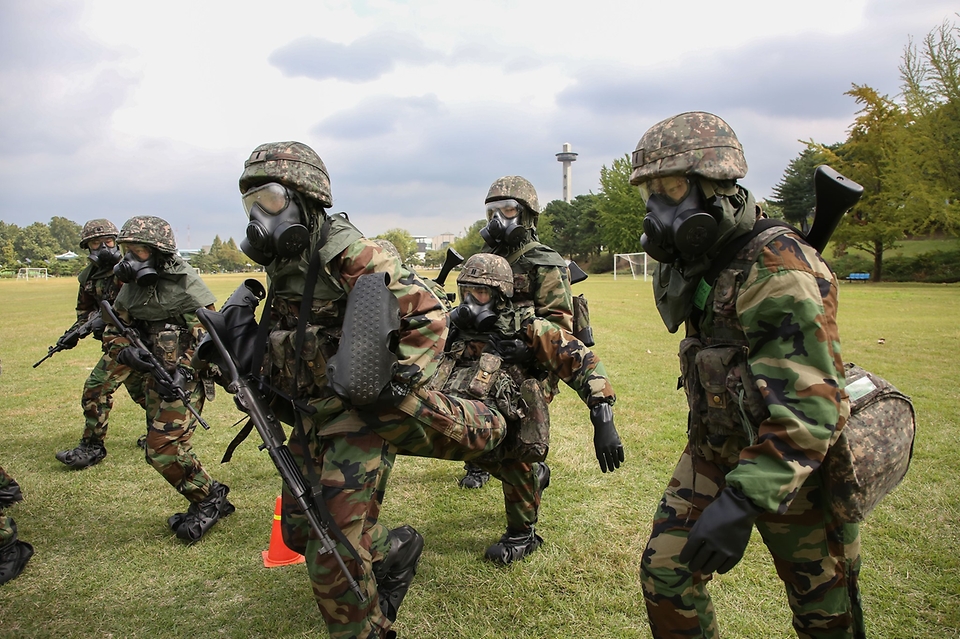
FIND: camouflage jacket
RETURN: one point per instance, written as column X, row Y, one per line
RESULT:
column 560, row 353
column 541, row 279
column 553, row 353
column 346, row 255
column 95, row 286
column 769, row 357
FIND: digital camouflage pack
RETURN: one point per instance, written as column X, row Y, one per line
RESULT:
column 873, row 452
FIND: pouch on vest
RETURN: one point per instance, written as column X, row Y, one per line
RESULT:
column 318, row 346
column 486, row 374
column 528, row 438
column 167, row 348
column 581, row 320
column 872, row 454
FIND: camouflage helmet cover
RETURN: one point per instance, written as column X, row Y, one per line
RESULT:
column 695, row 142
column 292, row 164
column 149, row 230
column 487, row 269
column 517, row 188
column 97, row 228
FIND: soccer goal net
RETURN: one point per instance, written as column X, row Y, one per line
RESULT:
column 32, row 274
column 633, row 263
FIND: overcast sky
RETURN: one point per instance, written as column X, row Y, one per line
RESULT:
column 112, row 108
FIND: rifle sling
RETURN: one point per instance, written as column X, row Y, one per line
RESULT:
column 729, row 251
column 306, row 303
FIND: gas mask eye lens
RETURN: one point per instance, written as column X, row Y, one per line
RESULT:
column 480, row 294
column 270, row 198
column 672, row 188
column 509, row 209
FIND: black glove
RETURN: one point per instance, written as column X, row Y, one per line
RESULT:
column 606, row 440
column 169, row 392
column 68, row 340
column 719, row 538
column 135, row 358
column 97, row 328
column 513, row 351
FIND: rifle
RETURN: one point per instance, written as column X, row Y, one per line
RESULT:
column 79, row 332
column 251, row 401
column 451, row 260
column 157, row 368
column 835, row 195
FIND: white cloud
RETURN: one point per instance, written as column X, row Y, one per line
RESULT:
column 118, row 108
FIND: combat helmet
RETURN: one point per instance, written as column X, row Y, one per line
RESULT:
column 96, row 228
column 487, row 269
column 292, row 164
column 515, row 187
column 149, row 230
column 692, row 143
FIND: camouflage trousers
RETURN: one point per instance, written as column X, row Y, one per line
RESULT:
column 469, row 429
column 169, row 429
column 817, row 558
column 9, row 495
column 349, row 468
column 521, row 491
column 352, row 454
column 97, row 397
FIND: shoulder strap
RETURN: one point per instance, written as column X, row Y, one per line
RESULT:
column 724, row 259
column 730, row 250
column 523, row 249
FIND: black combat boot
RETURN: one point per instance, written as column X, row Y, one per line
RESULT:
column 513, row 546
column 14, row 555
column 475, row 477
column 517, row 544
column 202, row 515
column 395, row 571
column 89, row 452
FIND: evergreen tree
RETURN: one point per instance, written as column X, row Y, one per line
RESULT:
column 620, row 208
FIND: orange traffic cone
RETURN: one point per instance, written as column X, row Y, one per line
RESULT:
column 279, row 554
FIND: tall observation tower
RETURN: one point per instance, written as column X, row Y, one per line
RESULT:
column 567, row 157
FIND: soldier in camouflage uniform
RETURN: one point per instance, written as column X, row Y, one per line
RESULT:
column 541, row 283
column 97, row 283
column 160, row 299
column 14, row 553
column 764, row 380
column 492, row 332
column 285, row 191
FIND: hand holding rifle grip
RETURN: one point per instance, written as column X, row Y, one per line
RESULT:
column 79, row 333
column 271, row 432
column 158, row 370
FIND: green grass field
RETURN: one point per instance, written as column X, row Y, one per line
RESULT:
column 106, row 565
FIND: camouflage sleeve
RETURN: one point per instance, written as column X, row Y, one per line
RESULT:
column 562, row 354
column 788, row 308
column 553, row 299
column 423, row 323
column 86, row 304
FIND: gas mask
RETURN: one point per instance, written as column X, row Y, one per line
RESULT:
column 276, row 227
column 677, row 223
column 132, row 269
column 503, row 223
column 104, row 257
column 477, row 311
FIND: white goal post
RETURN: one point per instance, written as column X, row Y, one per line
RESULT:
column 636, row 262
column 32, row 274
